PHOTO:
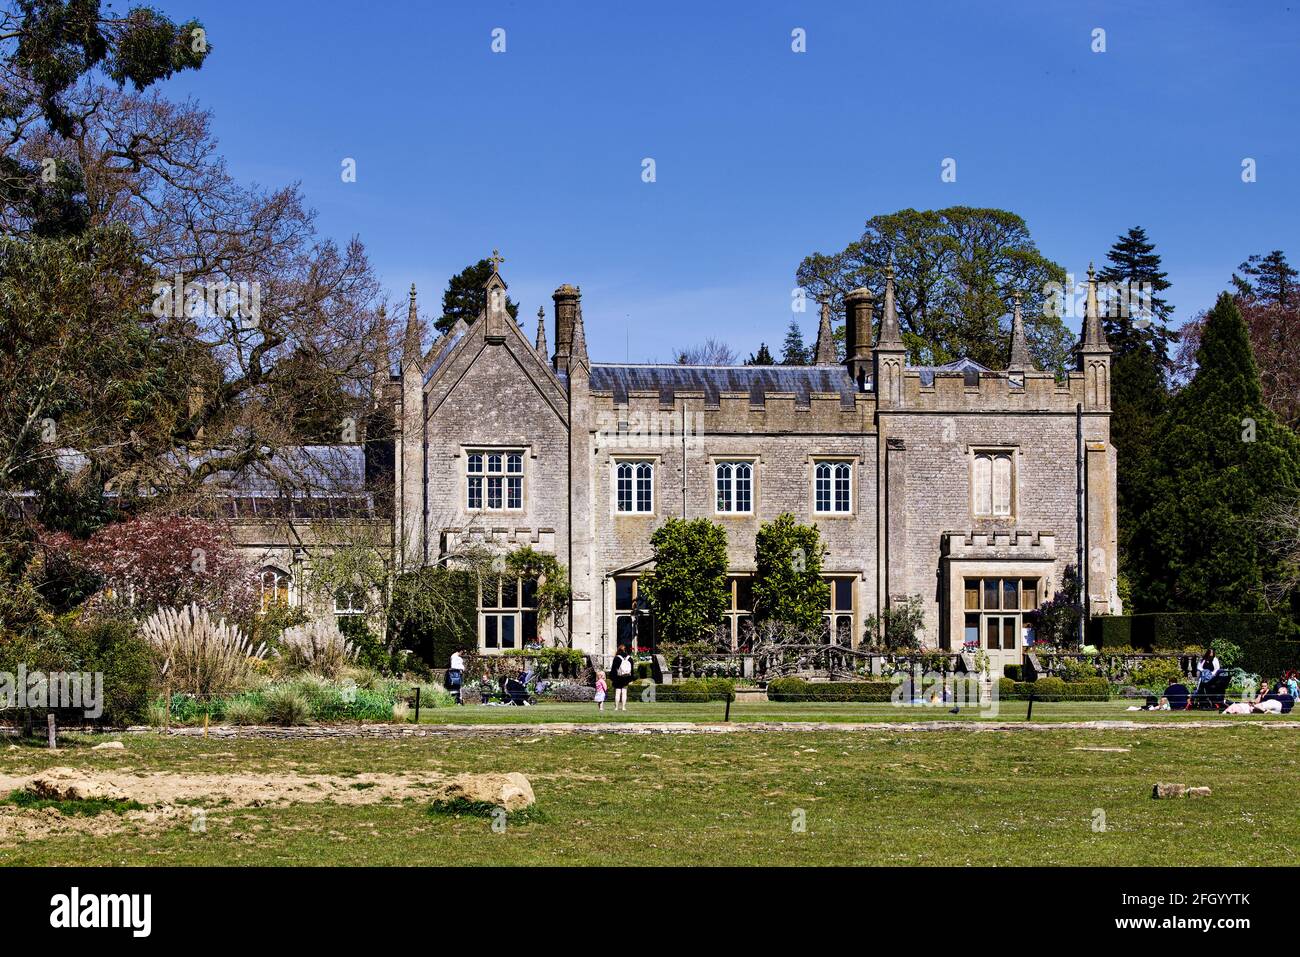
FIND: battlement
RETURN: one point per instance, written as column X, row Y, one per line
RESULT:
column 999, row 546
column 991, row 391
column 499, row 537
column 656, row 413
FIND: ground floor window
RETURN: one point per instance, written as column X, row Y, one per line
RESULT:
column 1000, row 612
column 633, row 622
column 739, row 616
column 274, row 590
column 350, row 601
column 840, row 610
column 507, row 613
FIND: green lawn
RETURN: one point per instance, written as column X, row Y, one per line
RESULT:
column 712, row 711
column 941, row 797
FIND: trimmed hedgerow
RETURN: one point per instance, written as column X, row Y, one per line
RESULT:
column 692, row 690
column 1054, row 689
column 797, row 689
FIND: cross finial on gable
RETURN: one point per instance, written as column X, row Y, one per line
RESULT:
column 497, row 260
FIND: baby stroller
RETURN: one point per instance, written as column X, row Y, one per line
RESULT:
column 1209, row 693
column 514, row 691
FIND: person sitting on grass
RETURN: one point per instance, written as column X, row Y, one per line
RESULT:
column 1175, row 697
column 1279, row 701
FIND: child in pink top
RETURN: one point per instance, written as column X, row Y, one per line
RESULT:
column 600, row 691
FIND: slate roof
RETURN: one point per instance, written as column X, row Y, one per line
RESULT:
column 442, row 348
column 757, row 381
column 313, row 469
column 303, row 481
column 966, row 367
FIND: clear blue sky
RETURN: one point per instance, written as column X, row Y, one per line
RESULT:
column 763, row 155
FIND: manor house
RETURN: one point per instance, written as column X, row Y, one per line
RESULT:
column 971, row 488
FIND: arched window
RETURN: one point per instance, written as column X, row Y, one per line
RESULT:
column 350, row 600
column 634, row 487
column 833, row 487
column 723, row 475
column 274, row 587
column 983, row 479
column 822, row 492
column 734, row 483
column 744, row 487
column 623, row 492
column 645, row 487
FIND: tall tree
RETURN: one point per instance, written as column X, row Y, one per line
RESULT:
column 1136, row 320
column 241, row 283
column 1268, row 279
column 956, row 271
column 763, row 357
column 1271, row 310
column 1138, row 317
column 1220, row 463
column 794, row 352
column 465, row 296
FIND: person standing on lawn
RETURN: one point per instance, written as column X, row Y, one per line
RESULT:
column 456, row 675
column 601, row 686
column 623, row 669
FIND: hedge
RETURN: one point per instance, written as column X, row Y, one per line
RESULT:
column 692, row 689
column 1268, row 643
column 797, row 689
column 434, row 638
column 1054, row 689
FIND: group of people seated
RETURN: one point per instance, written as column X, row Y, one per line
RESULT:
column 1273, row 697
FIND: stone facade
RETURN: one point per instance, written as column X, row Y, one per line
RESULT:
column 955, row 474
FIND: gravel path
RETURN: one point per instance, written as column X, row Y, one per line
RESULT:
column 383, row 731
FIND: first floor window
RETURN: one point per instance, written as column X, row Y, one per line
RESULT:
column 507, row 611
column 833, row 487
column 633, row 623
column 274, row 588
column 1000, row 612
column 735, row 487
column 991, row 481
column 494, row 481
column 839, row 613
column 634, row 489
column 739, row 615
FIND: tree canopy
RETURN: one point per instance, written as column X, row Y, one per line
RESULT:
column 956, row 270
column 687, row 590
column 466, row 296
column 788, row 585
column 1138, row 322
